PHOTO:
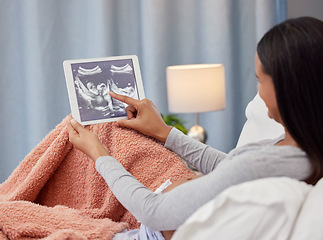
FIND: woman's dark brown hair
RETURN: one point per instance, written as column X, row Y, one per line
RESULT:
column 292, row 54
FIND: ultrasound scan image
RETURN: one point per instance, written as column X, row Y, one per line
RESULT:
column 93, row 81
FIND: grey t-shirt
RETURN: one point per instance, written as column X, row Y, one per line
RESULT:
column 169, row 210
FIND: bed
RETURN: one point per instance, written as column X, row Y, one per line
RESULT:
column 271, row 208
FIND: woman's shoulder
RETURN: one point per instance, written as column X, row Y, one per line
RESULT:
column 265, row 159
column 267, row 150
column 266, row 142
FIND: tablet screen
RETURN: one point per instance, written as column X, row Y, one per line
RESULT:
column 89, row 82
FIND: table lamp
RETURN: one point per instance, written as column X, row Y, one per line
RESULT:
column 195, row 88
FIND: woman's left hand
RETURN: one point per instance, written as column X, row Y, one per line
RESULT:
column 86, row 141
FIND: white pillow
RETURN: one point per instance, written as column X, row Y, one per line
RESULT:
column 309, row 224
column 260, row 209
column 258, row 125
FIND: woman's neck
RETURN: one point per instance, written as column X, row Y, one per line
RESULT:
column 288, row 140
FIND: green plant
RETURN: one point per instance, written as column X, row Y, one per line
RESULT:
column 173, row 120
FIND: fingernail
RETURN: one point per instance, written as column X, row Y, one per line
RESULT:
column 73, row 122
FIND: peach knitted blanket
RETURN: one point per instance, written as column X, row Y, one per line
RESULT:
column 56, row 193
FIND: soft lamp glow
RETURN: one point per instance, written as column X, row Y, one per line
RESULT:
column 195, row 88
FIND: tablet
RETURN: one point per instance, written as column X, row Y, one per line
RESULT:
column 89, row 82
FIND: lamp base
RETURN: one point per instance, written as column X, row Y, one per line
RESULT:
column 198, row 133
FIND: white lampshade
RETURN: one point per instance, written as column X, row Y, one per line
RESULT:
column 195, row 88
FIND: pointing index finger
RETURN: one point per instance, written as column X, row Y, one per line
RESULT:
column 125, row 99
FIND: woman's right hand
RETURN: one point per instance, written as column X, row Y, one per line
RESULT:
column 143, row 116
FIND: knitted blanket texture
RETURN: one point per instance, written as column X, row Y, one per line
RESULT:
column 56, row 192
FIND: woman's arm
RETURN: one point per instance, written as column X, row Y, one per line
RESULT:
column 169, row 210
column 143, row 116
column 203, row 157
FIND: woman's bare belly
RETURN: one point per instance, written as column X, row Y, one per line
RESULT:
column 168, row 234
